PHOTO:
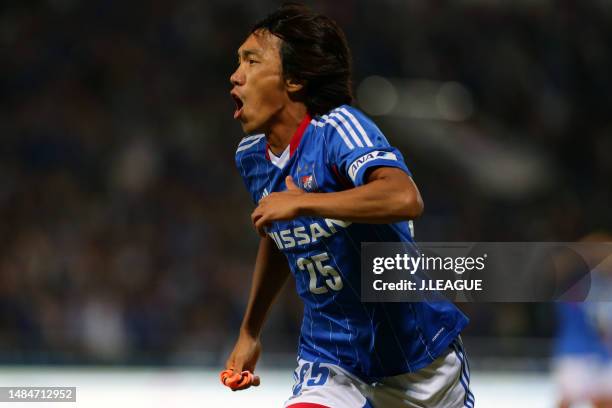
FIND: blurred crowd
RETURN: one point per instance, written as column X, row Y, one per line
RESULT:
column 125, row 234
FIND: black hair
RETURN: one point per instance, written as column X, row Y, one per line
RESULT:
column 314, row 52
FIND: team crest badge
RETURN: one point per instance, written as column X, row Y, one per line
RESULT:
column 309, row 183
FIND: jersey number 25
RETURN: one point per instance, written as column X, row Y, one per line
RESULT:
column 314, row 264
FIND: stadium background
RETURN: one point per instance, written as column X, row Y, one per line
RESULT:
column 125, row 238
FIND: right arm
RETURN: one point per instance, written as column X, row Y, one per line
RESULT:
column 269, row 276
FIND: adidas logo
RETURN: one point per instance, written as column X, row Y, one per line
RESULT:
column 264, row 194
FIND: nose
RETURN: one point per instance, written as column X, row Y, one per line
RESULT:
column 237, row 78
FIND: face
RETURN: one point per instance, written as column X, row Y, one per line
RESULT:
column 258, row 86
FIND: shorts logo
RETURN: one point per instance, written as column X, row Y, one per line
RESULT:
column 366, row 158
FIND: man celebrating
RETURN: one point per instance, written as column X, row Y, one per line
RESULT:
column 324, row 179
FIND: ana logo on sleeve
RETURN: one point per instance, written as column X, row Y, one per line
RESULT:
column 366, row 158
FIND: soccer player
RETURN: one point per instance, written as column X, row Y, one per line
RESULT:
column 582, row 364
column 583, row 354
column 324, row 179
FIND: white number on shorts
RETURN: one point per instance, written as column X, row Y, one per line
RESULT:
column 317, row 375
column 314, row 264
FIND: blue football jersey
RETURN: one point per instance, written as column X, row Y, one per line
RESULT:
column 578, row 332
column 332, row 153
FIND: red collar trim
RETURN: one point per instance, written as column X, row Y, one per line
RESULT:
column 296, row 138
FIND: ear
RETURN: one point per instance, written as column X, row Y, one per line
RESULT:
column 293, row 86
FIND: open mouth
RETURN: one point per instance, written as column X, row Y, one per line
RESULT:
column 239, row 105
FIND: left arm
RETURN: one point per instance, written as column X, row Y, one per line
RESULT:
column 389, row 195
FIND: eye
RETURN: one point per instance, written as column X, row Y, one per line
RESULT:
column 251, row 61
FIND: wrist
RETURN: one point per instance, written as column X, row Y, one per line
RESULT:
column 305, row 204
column 246, row 331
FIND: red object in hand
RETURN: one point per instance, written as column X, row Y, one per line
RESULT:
column 238, row 381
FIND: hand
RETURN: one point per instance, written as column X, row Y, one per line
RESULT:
column 243, row 358
column 238, row 382
column 277, row 206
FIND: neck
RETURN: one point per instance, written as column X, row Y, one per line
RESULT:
column 284, row 127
